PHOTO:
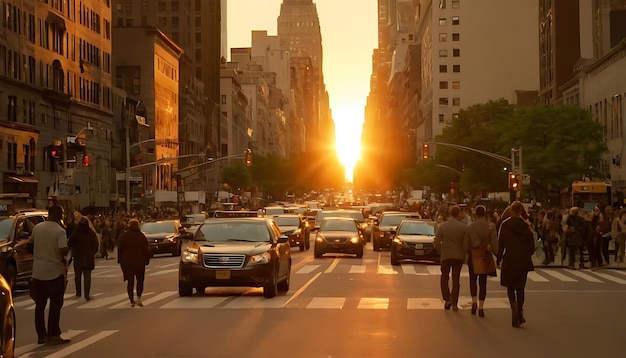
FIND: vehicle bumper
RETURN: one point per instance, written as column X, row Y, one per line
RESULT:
column 404, row 252
column 197, row 275
column 346, row 248
column 162, row 247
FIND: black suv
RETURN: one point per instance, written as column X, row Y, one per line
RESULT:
column 165, row 236
column 16, row 264
column 383, row 233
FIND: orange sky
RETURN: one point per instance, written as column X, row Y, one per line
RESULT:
column 349, row 36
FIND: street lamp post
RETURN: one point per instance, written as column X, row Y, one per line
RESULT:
column 65, row 166
column 141, row 120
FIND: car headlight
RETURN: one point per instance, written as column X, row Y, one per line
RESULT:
column 260, row 259
column 397, row 240
column 190, row 256
column 354, row 240
column 171, row 238
column 319, row 238
column 296, row 232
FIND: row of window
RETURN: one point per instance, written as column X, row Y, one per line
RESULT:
column 443, row 36
column 609, row 113
column 445, row 101
column 456, row 52
column 89, row 19
column 455, row 4
column 442, row 118
column 12, row 154
column 27, row 110
column 11, row 21
column 444, row 68
column 444, row 21
column 444, row 84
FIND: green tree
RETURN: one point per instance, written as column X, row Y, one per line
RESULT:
column 237, row 175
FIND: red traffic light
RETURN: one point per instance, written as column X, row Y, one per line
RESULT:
column 514, row 183
column 86, row 160
column 425, row 151
column 249, row 157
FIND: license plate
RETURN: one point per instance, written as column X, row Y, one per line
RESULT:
column 420, row 252
column 222, row 275
column 419, row 246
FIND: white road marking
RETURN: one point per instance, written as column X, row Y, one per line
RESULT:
column 584, row 276
column 386, row 270
column 433, row 270
column 357, row 269
column 101, row 302
column 606, row 276
column 257, row 302
column 308, row 269
column 327, row 302
column 163, row 272
column 194, row 302
column 558, row 275
column 23, row 350
column 374, row 303
column 80, row 345
column 425, row 303
column 533, row 276
column 304, row 287
column 409, row 269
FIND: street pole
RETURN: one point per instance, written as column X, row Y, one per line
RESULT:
column 127, row 177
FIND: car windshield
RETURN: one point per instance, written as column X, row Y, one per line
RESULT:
column 5, row 228
column 342, row 214
column 413, row 228
column 391, row 220
column 274, row 211
column 157, row 227
column 234, row 230
column 287, row 221
column 338, row 225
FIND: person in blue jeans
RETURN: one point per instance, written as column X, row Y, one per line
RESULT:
column 48, row 244
column 452, row 243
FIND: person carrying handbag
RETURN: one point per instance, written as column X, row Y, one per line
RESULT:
column 481, row 234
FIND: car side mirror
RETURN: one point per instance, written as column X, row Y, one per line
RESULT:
column 23, row 235
column 283, row 239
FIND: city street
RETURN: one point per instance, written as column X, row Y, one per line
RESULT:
column 338, row 306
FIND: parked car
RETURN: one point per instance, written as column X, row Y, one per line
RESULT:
column 15, row 262
column 296, row 229
column 236, row 252
column 7, row 320
column 165, row 236
column 339, row 235
column 383, row 232
column 414, row 240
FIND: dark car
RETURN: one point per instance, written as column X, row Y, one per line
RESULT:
column 296, row 229
column 165, row 236
column 15, row 262
column 339, row 235
column 7, row 320
column 414, row 240
column 344, row 213
column 384, row 230
column 236, row 252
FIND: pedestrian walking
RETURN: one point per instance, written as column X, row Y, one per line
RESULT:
column 481, row 234
column 594, row 237
column 48, row 244
column 605, row 235
column 516, row 246
column 620, row 244
column 83, row 244
column 551, row 234
column 133, row 255
column 452, row 243
column 575, row 235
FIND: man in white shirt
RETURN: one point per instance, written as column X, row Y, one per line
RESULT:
column 48, row 243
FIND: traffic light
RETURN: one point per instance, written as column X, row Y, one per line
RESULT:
column 514, row 182
column 425, row 151
column 55, row 151
column 249, row 157
column 86, row 160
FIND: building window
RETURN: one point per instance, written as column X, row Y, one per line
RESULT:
column 456, row 52
column 455, row 20
column 223, row 99
column 443, row 21
column 441, row 118
column 442, row 4
column 456, row 4
column 456, row 101
column 443, row 37
column 443, row 101
column 443, row 53
column 161, row 5
column 456, row 36
column 455, row 116
column 443, row 68
column 443, row 84
column 456, row 68
column 198, row 37
column 198, row 21
column 456, row 84
column 175, row 22
column 174, row 5
column 162, row 21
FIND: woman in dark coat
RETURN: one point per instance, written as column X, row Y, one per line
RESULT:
column 516, row 246
column 133, row 255
column 83, row 244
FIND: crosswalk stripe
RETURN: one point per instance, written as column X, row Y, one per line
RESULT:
column 98, row 303
column 433, row 270
column 308, row 268
column 611, row 278
column 21, row 351
column 621, row 272
column 75, row 347
column 327, row 302
column 426, row 303
column 409, row 269
column 163, row 272
column 558, row 275
column 585, row 276
column 194, row 303
column 373, row 303
column 257, row 302
column 386, row 270
column 357, row 269
column 534, row 276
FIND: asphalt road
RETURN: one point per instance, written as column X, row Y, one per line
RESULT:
column 338, row 306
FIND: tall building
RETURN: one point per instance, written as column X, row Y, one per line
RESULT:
column 55, row 104
column 468, row 60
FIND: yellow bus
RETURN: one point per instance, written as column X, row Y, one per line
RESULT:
column 587, row 194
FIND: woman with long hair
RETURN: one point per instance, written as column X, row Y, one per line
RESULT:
column 516, row 246
column 133, row 255
column 83, row 244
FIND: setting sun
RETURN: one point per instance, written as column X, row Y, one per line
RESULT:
column 348, row 137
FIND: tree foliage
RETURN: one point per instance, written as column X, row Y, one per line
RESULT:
column 559, row 144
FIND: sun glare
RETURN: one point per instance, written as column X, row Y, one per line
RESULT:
column 348, row 126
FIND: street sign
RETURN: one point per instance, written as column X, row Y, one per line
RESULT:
column 525, row 179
